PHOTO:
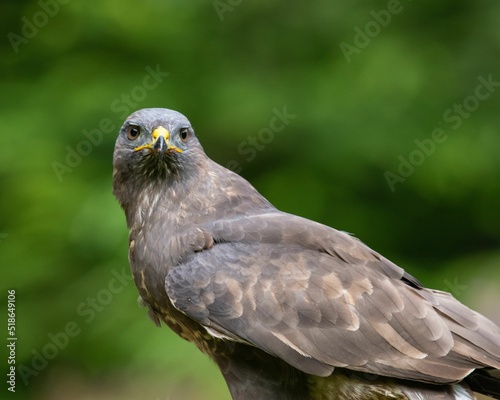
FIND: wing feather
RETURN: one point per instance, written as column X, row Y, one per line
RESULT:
column 320, row 299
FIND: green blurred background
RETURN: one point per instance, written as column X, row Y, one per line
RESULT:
column 365, row 84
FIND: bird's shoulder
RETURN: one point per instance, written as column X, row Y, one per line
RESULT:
column 282, row 230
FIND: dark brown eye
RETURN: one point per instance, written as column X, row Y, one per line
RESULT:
column 133, row 132
column 184, row 134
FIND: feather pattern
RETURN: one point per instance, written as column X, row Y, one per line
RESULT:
column 288, row 308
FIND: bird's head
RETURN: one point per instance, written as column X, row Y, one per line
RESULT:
column 155, row 145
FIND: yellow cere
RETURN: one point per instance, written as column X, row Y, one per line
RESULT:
column 160, row 131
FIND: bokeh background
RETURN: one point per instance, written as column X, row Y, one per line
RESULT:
column 391, row 133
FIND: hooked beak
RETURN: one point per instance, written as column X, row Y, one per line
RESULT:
column 160, row 142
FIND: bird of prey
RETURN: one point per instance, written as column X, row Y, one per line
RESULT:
column 286, row 307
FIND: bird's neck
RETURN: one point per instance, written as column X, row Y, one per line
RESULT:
column 202, row 197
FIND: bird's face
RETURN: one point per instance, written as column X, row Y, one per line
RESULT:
column 155, row 143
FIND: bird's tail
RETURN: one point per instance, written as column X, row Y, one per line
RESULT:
column 485, row 381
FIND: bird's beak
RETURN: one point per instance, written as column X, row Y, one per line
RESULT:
column 160, row 142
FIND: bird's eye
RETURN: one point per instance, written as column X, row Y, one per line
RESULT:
column 133, row 132
column 184, row 134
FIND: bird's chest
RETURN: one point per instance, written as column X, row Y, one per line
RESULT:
column 152, row 254
column 155, row 251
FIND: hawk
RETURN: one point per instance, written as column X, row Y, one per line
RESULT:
column 286, row 307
